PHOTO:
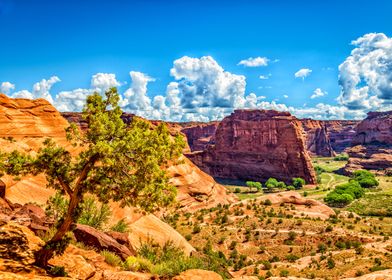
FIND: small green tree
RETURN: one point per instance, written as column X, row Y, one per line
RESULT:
column 119, row 162
column 298, row 183
column 257, row 185
column 365, row 178
column 271, row 183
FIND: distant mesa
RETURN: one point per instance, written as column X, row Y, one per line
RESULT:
column 257, row 145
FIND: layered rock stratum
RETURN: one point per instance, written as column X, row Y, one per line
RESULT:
column 257, row 145
column 372, row 144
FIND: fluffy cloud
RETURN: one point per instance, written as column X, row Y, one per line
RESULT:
column 40, row 90
column 365, row 77
column 104, row 81
column 6, row 87
column 71, row 101
column 285, row 96
column 302, row 73
column 254, row 62
column 202, row 82
column 135, row 98
column 318, row 93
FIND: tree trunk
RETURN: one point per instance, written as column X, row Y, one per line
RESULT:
column 43, row 256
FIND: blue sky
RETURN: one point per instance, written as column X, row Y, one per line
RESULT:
column 74, row 40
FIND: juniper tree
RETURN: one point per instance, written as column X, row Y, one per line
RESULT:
column 118, row 162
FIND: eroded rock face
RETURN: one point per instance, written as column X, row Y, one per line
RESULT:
column 372, row 148
column 198, row 274
column 200, row 135
column 257, row 145
column 341, row 133
column 316, row 138
column 17, row 247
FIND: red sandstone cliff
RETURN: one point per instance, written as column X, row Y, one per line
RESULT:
column 372, row 144
column 341, row 133
column 316, row 138
column 200, row 135
column 257, row 145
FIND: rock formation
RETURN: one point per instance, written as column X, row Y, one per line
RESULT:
column 200, row 135
column 257, row 145
column 316, row 138
column 340, row 133
column 372, row 144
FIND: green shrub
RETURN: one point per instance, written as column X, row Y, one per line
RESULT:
column 341, row 157
column 93, row 213
column 237, row 190
column 120, row 226
column 365, row 178
column 256, row 185
column 284, row 273
column 267, row 202
column 344, row 194
column 111, row 258
column 271, row 183
column 298, row 183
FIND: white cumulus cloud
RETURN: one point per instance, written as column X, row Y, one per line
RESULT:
column 302, row 73
column 6, row 87
column 318, row 93
column 254, row 62
column 104, row 81
column 365, row 77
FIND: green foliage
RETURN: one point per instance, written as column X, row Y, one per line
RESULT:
column 92, row 213
column 271, row 183
column 237, row 190
column 365, row 178
column 298, row 183
column 290, row 188
column 120, row 226
column 256, row 185
column 344, row 194
column 168, row 260
column 111, row 258
column 341, row 157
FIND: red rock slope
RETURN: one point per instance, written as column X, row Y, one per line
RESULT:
column 257, row 145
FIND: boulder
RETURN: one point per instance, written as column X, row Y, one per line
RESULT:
column 33, row 217
column 309, row 207
column 18, row 245
column 101, row 241
column 256, row 145
column 198, row 274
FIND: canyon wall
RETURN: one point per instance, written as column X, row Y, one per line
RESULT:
column 316, row 138
column 322, row 138
column 372, row 144
column 257, row 145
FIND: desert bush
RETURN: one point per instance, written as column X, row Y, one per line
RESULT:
column 120, row 226
column 58, row 271
column 111, row 258
column 256, row 185
column 298, row 183
column 93, row 213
